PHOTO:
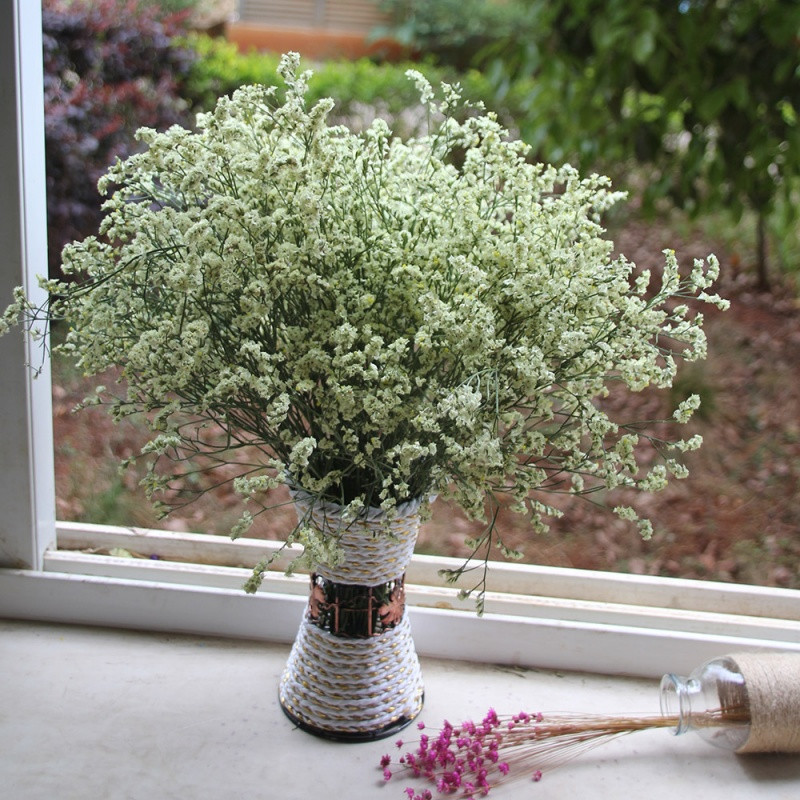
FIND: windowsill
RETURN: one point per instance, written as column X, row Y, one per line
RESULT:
column 90, row 712
column 535, row 616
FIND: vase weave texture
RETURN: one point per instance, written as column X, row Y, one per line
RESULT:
column 364, row 686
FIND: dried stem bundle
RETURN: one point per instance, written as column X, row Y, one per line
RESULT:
column 470, row 758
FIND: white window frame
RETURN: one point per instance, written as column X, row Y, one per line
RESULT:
column 536, row 616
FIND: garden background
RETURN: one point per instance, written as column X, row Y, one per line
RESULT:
column 691, row 106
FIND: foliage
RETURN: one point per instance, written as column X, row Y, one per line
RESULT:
column 360, row 88
column 380, row 323
column 109, row 67
column 221, row 69
column 706, row 93
column 451, row 30
column 172, row 6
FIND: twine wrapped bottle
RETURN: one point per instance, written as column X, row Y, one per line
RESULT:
column 353, row 673
column 746, row 702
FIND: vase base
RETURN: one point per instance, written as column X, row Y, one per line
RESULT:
column 384, row 732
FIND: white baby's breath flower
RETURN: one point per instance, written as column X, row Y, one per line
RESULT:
column 423, row 85
column 683, row 413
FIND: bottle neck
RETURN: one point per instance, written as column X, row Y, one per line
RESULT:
column 677, row 694
column 712, row 702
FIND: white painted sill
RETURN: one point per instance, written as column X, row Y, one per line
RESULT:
column 604, row 623
column 91, row 713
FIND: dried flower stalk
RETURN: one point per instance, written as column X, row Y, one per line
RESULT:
column 472, row 758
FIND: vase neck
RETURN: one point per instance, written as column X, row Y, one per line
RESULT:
column 372, row 551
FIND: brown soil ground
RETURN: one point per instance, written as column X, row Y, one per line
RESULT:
column 735, row 519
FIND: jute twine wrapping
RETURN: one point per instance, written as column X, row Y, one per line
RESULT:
column 772, row 682
column 352, row 685
column 356, row 686
column 375, row 551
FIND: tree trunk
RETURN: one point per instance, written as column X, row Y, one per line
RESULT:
column 761, row 254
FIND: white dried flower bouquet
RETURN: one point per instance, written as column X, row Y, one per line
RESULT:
column 383, row 319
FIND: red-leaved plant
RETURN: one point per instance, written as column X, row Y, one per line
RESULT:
column 110, row 67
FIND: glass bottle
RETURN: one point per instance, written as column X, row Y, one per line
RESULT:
column 713, row 701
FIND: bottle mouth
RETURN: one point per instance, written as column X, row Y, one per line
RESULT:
column 675, row 702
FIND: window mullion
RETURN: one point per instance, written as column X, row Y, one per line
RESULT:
column 27, row 495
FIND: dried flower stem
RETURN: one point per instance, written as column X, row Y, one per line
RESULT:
column 471, row 758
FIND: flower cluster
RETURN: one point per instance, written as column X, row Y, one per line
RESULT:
column 381, row 319
column 472, row 758
column 465, row 759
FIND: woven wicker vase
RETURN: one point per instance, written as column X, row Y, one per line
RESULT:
column 353, row 673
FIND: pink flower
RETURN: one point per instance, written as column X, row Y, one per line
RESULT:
column 453, row 779
column 537, row 776
column 385, row 761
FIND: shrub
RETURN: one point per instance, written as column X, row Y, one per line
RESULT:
column 359, row 88
column 705, row 92
column 110, row 67
column 451, row 30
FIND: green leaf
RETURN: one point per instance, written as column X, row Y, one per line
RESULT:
column 788, row 112
column 643, row 46
column 711, row 104
column 739, row 92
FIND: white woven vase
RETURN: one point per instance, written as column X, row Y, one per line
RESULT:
column 353, row 672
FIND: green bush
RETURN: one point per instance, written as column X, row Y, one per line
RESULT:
column 110, row 66
column 220, row 69
column 170, row 6
column 451, row 30
column 705, row 92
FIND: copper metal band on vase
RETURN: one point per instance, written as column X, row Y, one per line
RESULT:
column 353, row 611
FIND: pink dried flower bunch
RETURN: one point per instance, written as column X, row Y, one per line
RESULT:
column 465, row 759
column 471, row 758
